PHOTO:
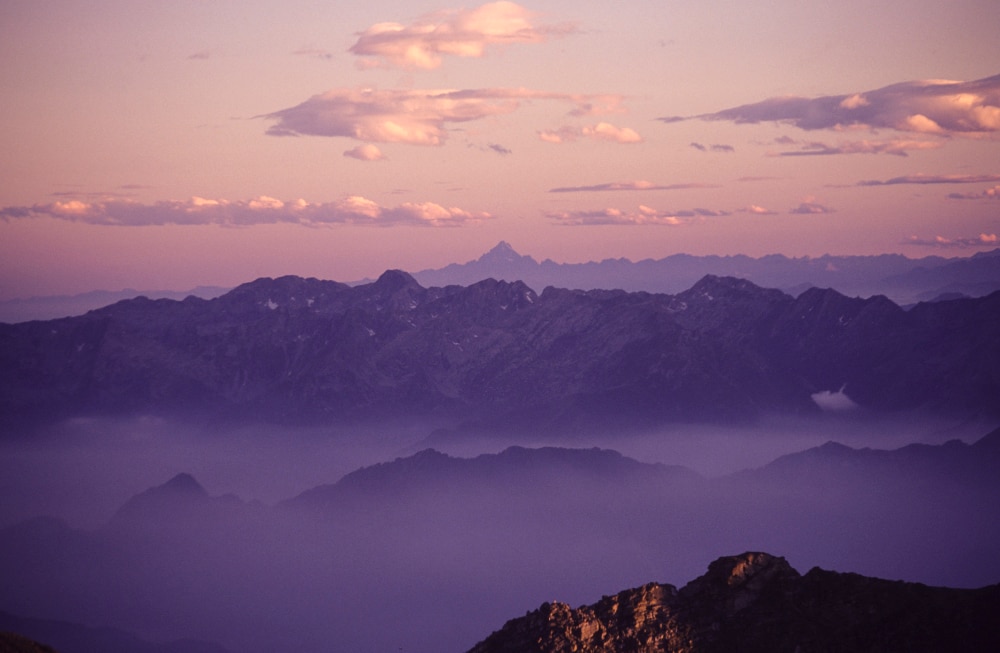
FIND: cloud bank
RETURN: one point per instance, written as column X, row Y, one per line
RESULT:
column 414, row 116
column 931, row 179
column 897, row 147
column 643, row 215
column 352, row 210
column 939, row 107
column 459, row 33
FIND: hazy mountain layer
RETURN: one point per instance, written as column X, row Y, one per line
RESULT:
column 756, row 602
column 429, row 553
column 498, row 354
column 902, row 279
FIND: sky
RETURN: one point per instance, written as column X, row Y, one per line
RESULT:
column 210, row 142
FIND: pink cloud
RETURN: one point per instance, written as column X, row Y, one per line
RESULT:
column 982, row 240
column 758, row 210
column 459, row 33
column 353, row 210
column 643, row 215
column 365, row 152
column 939, row 107
column 602, row 131
column 988, row 194
column 811, row 208
column 898, row 147
column 415, row 116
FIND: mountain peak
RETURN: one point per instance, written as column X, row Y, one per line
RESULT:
column 503, row 253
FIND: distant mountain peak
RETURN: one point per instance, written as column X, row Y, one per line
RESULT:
column 503, row 254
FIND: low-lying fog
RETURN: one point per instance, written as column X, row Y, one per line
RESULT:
column 432, row 553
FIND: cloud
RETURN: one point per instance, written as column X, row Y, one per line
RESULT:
column 499, row 149
column 982, row 240
column 644, row 215
column 898, row 147
column 459, row 33
column 713, row 148
column 758, row 210
column 602, row 131
column 811, row 208
column 988, row 194
column 354, row 210
column 834, row 401
column 925, row 106
column 931, row 179
column 627, row 185
column 315, row 53
column 414, row 116
column 365, row 152
column 201, row 55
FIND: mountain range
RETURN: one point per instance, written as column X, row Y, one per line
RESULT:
column 429, row 552
column 904, row 280
column 498, row 355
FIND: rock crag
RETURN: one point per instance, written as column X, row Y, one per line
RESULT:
column 756, row 602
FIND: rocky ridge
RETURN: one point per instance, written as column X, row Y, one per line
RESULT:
column 758, row 602
column 305, row 350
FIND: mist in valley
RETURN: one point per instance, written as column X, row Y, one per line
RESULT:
column 422, row 537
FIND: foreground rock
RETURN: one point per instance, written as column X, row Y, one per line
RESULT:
column 758, row 602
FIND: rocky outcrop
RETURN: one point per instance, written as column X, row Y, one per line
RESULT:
column 757, row 602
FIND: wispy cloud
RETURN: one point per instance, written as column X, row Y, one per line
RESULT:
column 643, row 215
column 810, row 207
column 931, row 179
column 925, row 106
column 353, row 210
column 713, row 148
column 201, row 55
column 988, row 194
column 602, row 131
column 459, row 33
column 982, row 240
column 627, row 185
column 897, row 147
column 758, row 210
column 414, row 116
column 314, row 53
column 365, row 152
column 499, row 149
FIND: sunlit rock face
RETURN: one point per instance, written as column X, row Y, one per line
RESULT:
column 758, row 602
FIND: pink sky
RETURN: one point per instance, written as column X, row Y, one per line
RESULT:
column 169, row 145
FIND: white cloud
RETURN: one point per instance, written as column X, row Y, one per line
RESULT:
column 643, row 215
column 459, row 33
column 834, row 402
column 354, row 210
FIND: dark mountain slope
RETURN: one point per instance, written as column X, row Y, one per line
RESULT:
column 303, row 350
column 757, row 602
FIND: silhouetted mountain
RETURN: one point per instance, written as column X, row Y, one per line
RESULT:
column 53, row 307
column 304, row 350
column 758, row 602
column 903, row 279
column 75, row 638
column 418, row 536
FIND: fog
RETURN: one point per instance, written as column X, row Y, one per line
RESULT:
column 427, row 552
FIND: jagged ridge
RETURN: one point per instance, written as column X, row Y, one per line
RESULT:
column 758, row 602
